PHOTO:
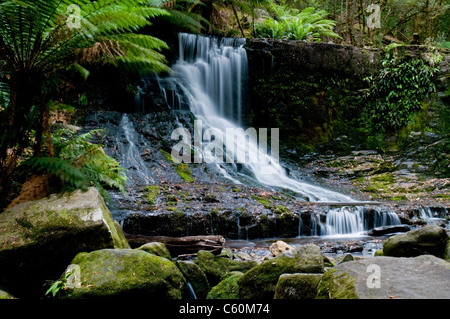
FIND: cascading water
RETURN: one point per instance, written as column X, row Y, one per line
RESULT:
column 210, row 79
column 130, row 157
column 211, row 74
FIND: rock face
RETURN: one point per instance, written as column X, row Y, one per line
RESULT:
column 426, row 240
column 260, row 282
column 423, row 277
column 194, row 274
column 126, row 273
column 39, row 239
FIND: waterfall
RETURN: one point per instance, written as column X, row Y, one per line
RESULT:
column 212, row 75
column 127, row 141
column 354, row 220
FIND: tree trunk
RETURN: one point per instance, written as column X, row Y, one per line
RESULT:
column 237, row 18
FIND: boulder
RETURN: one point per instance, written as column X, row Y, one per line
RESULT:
column 126, row 273
column 422, row 277
column 215, row 267
column 194, row 274
column 279, row 247
column 260, row 282
column 228, row 288
column 40, row 238
column 156, row 248
column 429, row 239
column 297, row 286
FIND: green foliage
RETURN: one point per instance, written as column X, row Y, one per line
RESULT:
column 308, row 25
column 79, row 163
column 398, row 90
column 59, row 285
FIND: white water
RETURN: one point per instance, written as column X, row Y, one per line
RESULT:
column 130, row 155
column 212, row 75
column 352, row 220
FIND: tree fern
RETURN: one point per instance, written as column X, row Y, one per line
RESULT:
column 79, row 163
column 37, row 39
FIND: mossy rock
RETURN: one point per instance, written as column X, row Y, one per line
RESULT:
column 156, row 248
column 126, row 273
column 228, row 288
column 429, row 239
column 43, row 236
column 152, row 192
column 260, row 282
column 336, row 285
column 194, row 274
column 297, row 286
column 215, row 267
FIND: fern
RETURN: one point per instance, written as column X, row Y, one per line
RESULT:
column 79, row 163
column 307, row 25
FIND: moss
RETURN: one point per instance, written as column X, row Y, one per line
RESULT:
column 297, row 286
column 152, row 192
column 156, row 248
column 261, row 199
column 185, row 172
column 227, row 288
column 215, row 267
column 335, row 285
column 260, row 282
column 126, row 273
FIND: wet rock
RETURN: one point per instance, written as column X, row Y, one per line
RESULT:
column 383, row 230
column 194, row 274
column 426, row 240
column 297, row 286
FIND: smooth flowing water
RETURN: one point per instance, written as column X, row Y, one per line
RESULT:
column 212, row 75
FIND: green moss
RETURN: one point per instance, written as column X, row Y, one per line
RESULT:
column 261, row 199
column 124, row 273
column 152, row 192
column 185, row 172
column 215, row 267
column 336, row 286
column 227, row 288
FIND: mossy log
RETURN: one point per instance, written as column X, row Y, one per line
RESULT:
column 181, row 245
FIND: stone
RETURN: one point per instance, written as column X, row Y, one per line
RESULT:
column 194, row 274
column 260, row 282
column 215, row 267
column 297, row 286
column 228, row 288
column 279, row 247
column 126, row 273
column 422, row 277
column 156, row 248
column 38, row 239
column 429, row 239
column 384, row 230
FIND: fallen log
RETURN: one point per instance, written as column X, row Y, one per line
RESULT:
column 384, row 230
column 180, row 245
